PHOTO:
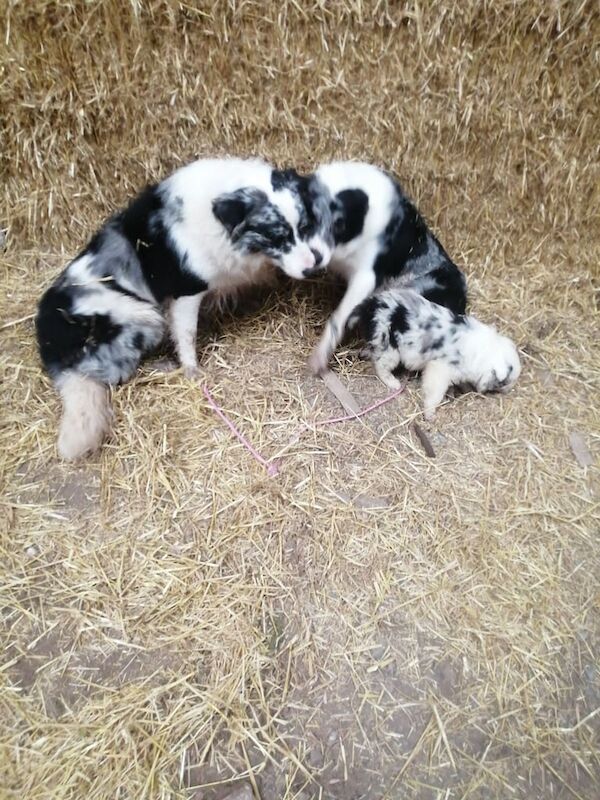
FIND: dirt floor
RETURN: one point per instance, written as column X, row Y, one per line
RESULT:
column 371, row 622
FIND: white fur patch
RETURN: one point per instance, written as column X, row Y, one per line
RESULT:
column 286, row 202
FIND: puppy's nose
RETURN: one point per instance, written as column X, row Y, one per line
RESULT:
column 312, row 271
column 318, row 256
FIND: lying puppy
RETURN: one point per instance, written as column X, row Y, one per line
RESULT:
column 212, row 226
column 378, row 236
column 403, row 328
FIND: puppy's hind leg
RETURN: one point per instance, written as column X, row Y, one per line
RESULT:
column 183, row 326
column 437, row 377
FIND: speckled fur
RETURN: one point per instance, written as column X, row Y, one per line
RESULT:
column 404, row 329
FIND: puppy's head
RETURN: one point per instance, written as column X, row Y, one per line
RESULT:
column 313, row 202
column 502, row 365
column 268, row 226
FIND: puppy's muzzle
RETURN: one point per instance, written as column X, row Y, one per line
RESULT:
column 313, row 271
column 318, row 268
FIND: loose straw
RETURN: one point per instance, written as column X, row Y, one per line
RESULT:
column 272, row 467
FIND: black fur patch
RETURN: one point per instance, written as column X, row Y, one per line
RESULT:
column 164, row 270
column 398, row 323
column 64, row 338
column 121, row 289
column 231, row 209
column 284, row 179
column 451, row 290
column 404, row 238
column 313, row 207
column 366, row 312
column 408, row 246
column 349, row 209
column 230, row 212
column 93, row 246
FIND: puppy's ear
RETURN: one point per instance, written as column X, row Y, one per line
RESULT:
column 282, row 178
column 232, row 208
column 348, row 210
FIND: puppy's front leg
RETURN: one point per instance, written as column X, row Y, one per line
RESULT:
column 183, row 326
column 359, row 288
column 385, row 364
column 437, row 377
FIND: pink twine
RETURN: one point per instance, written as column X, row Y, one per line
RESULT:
column 364, row 411
column 271, row 466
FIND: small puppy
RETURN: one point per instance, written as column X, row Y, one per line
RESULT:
column 378, row 235
column 213, row 226
column 403, row 328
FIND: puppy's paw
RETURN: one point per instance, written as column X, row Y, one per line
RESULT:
column 163, row 365
column 317, row 363
column 429, row 414
column 392, row 382
column 191, row 371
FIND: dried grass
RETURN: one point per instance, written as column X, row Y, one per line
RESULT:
column 372, row 623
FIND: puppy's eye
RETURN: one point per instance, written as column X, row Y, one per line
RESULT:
column 338, row 226
column 281, row 239
column 305, row 230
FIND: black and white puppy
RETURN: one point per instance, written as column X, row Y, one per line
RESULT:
column 402, row 328
column 379, row 237
column 212, row 226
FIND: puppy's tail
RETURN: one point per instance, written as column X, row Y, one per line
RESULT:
column 86, row 416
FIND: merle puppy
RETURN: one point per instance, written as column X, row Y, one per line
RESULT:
column 403, row 328
column 379, row 237
column 212, row 226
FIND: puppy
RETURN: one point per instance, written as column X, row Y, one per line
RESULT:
column 403, row 328
column 378, row 236
column 211, row 227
